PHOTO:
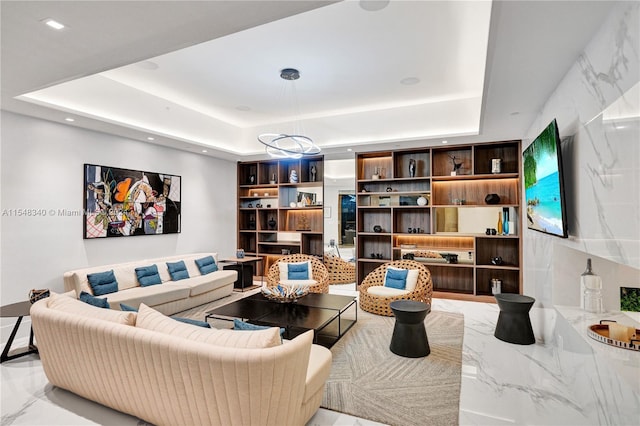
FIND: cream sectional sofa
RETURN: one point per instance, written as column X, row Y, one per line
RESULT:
column 164, row 378
column 170, row 296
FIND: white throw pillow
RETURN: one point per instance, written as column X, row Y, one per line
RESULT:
column 151, row 319
column 284, row 269
column 74, row 306
column 412, row 278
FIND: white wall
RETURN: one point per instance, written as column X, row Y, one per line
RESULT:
column 42, row 168
column 602, row 166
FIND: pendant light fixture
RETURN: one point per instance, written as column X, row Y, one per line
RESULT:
column 289, row 145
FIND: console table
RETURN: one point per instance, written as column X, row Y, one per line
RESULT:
column 17, row 310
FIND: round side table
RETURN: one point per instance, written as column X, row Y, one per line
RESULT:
column 409, row 335
column 514, row 325
column 19, row 310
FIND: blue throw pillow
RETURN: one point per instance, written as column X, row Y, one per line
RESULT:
column 103, row 282
column 127, row 308
column 396, row 278
column 148, row 275
column 193, row 322
column 241, row 325
column 95, row 301
column 178, row 270
column 298, row 271
column 206, row 265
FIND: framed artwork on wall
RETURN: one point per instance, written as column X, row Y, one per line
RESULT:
column 122, row 202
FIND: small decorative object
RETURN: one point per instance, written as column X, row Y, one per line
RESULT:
column 268, row 206
column 273, row 179
column 250, row 205
column 614, row 334
column 35, row 295
column 422, row 201
column 252, row 222
column 591, row 285
column 293, row 176
column 285, row 294
column 456, row 166
column 409, row 230
column 488, row 231
column 292, row 204
column 299, row 204
column 272, row 223
column 496, row 165
column 493, row 231
column 266, row 194
column 389, row 189
column 240, row 253
column 252, row 179
column 412, row 167
column 377, row 228
column 450, row 257
column 376, row 173
column 499, row 226
column 259, row 205
column 255, row 194
column 408, row 256
column 285, row 252
column 512, row 228
column 303, row 223
column 496, row 260
column 492, row 199
column 496, row 286
column 505, row 221
column 312, row 173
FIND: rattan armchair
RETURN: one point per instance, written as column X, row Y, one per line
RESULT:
column 318, row 272
column 340, row 271
column 380, row 304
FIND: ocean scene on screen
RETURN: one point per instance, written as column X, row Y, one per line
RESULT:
column 542, row 184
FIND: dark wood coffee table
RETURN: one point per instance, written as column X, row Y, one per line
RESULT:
column 322, row 313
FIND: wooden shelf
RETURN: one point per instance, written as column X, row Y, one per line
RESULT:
column 432, row 179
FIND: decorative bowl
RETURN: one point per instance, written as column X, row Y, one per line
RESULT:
column 285, row 294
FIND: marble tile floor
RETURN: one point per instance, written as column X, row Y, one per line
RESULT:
column 502, row 384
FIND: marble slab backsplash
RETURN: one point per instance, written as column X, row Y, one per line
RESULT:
column 597, row 107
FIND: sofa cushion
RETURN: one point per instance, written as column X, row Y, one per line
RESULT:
column 298, row 283
column 178, row 270
column 148, row 275
column 380, row 290
column 243, row 325
column 74, row 306
column 151, row 319
column 151, row 295
column 124, row 307
column 396, row 278
column 286, row 266
column 206, row 265
column 206, row 283
column 94, row 301
column 412, row 277
column 103, row 282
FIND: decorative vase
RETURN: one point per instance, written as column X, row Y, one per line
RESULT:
column 293, row 177
column 412, row 167
column 252, row 179
column 496, row 165
column 376, row 173
column 272, row 223
column 312, row 173
column 273, row 179
column 240, row 253
column 377, row 228
column 499, row 227
column 505, row 221
column 591, row 285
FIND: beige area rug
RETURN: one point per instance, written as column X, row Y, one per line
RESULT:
column 368, row 380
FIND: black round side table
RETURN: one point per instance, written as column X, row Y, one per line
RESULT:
column 409, row 335
column 514, row 325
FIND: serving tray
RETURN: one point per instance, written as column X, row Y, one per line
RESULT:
column 600, row 332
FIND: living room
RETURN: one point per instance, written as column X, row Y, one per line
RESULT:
column 600, row 68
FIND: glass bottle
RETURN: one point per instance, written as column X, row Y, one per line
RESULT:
column 499, row 226
column 592, row 290
column 505, row 221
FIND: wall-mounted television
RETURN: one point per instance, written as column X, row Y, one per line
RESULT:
column 544, row 184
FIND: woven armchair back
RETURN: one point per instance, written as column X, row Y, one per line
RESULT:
column 380, row 304
column 340, row 271
column 318, row 272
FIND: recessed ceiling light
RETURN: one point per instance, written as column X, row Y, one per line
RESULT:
column 349, row 149
column 53, row 24
column 151, row 138
column 373, row 5
column 410, row 81
column 620, row 127
column 204, row 150
column 243, row 108
column 69, row 119
column 445, row 141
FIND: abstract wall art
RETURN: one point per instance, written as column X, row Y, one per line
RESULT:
column 123, row 202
